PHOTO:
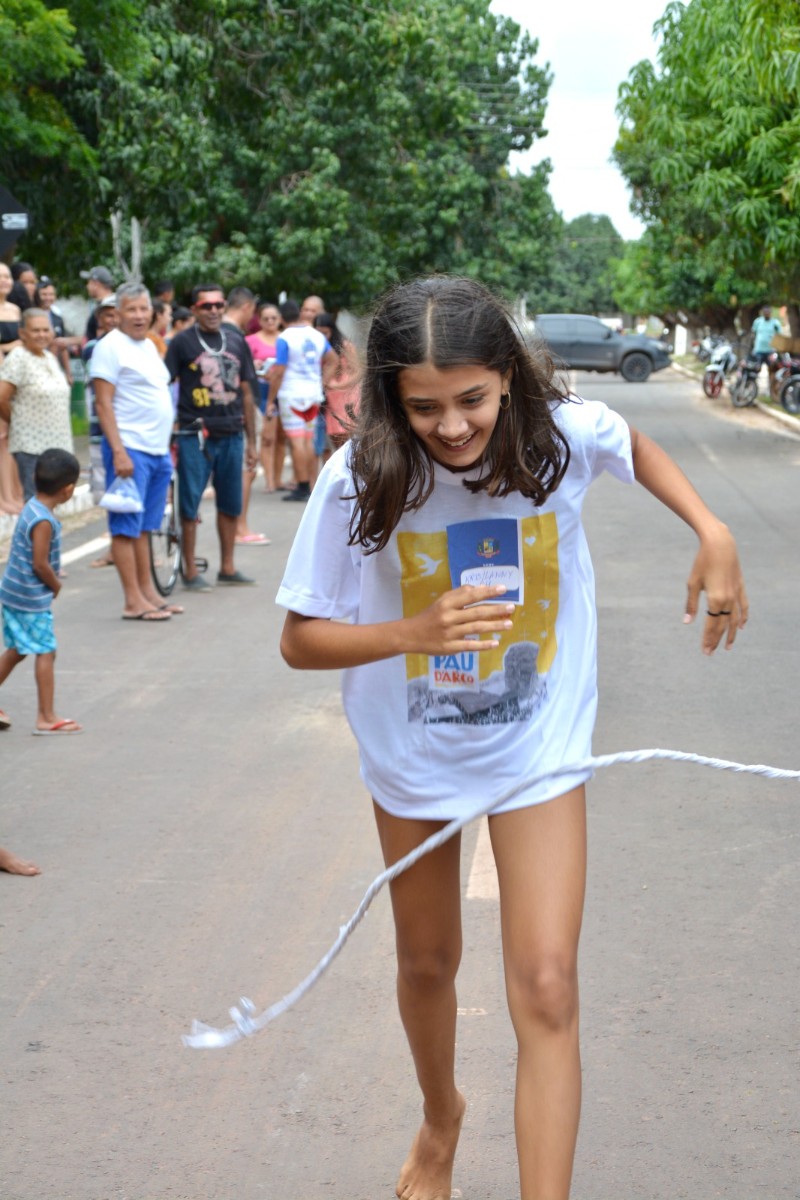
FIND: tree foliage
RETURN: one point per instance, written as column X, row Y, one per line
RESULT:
column 582, row 270
column 325, row 144
column 710, row 144
column 37, row 52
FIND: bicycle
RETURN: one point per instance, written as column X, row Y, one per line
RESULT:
column 166, row 542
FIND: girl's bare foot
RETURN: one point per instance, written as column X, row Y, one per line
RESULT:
column 17, row 866
column 427, row 1173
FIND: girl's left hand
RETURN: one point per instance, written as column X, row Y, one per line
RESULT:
column 716, row 571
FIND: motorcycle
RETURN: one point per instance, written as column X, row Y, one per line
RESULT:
column 723, row 361
column 744, row 389
column 789, row 394
column 781, row 364
column 784, row 380
column 707, row 346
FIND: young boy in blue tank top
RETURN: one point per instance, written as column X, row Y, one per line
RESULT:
column 31, row 583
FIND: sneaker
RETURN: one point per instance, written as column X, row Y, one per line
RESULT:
column 236, row 578
column 197, row 584
column 301, row 492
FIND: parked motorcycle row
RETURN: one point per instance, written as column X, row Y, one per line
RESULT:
column 723, row 362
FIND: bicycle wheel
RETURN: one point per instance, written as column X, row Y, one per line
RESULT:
column 165, row 544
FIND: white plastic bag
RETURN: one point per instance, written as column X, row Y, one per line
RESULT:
column 122, row 496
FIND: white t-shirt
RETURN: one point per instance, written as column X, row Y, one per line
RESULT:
column 142, row 402
column 300, row 350
column 438, row 736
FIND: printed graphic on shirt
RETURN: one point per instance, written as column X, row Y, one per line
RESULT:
column 311, row 352
column 487, row 553
column 219, row 378
column 493, row 686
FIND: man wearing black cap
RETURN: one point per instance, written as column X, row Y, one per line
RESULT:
column 99, row 285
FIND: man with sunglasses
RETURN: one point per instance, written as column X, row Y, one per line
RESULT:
column 216, row 384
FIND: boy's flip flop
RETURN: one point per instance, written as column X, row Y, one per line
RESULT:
column 65, row 725
column 5, row 720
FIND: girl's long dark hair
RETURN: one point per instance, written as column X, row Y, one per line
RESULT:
column 449, row 322
column 328, row 321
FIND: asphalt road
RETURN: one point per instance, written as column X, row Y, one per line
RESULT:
column 208, row 834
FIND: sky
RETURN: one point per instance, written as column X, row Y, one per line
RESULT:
column 590, row 47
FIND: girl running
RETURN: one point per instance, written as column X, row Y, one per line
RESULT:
column 442, row 563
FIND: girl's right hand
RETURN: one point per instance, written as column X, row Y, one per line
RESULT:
column 451, row 625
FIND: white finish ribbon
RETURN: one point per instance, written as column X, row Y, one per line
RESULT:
column 246, row 1022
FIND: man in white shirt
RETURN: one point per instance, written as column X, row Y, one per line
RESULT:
column 134, row 408
column 304, row 360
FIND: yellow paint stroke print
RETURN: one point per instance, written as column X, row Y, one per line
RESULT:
column 424, row 577
column 497, row 685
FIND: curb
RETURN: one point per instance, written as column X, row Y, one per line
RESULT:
column 80, row 501
column 783, row 418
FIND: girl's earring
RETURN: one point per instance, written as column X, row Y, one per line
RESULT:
column 507, row 397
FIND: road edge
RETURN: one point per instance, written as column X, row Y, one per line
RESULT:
column 783, row 418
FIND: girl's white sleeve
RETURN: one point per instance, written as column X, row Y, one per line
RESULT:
column 612, row 442
column 323, row 574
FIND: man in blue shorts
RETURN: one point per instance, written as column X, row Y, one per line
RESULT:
column 216, row 389
column 134, row 408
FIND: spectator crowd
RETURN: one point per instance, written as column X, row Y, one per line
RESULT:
column 221, row 390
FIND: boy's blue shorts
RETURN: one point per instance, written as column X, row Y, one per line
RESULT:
column 28, row 632
column 151, row 474
column 220, row 460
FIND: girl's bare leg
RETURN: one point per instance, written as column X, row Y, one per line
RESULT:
column 280, row 455
column 426, row 902
column 268, row 435
column 242, row 528
column 541, row 865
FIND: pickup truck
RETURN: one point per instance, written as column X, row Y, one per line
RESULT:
column 586, row 344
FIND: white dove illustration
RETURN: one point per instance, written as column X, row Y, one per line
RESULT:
column 429, row 565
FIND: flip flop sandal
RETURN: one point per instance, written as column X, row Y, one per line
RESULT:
column 253, row 539
column 151, row 616
column 59, row 728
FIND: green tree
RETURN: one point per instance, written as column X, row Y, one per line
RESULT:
column 710, row 144
column 580, row 278
column 50, row 142
column 37, row 52
column 329, row 144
